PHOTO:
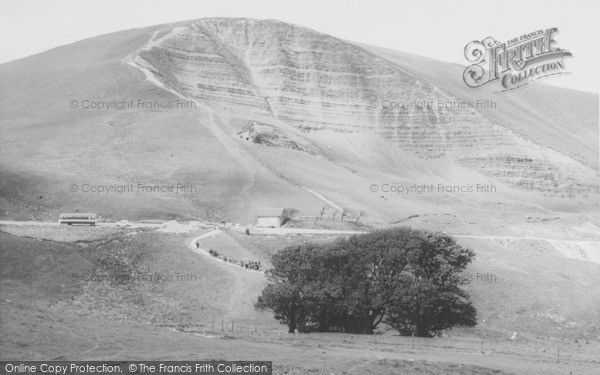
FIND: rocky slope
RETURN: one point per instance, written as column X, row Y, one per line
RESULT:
column 316, row 82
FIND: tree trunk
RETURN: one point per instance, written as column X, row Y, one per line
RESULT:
column 377, row 320
column 292, row 324
column 420, row 328
column 323, row 324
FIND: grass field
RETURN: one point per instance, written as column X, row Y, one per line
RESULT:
column 206, row 310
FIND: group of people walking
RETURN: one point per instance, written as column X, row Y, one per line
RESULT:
column 248, row 264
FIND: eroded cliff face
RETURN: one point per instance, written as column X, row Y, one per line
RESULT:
column 316, row 82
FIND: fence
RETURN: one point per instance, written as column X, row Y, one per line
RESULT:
column 559, row 352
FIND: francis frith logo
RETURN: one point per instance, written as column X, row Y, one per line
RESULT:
column 516, row 62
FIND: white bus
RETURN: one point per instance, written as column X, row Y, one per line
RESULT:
column 71, row 219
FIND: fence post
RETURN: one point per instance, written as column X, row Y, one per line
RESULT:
column 413, row 340
column 222, row 328
column 231, row 325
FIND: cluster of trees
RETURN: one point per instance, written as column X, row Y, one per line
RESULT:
column 343, row 214
column 406, row 278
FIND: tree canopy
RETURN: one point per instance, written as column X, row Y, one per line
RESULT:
column 409, row 279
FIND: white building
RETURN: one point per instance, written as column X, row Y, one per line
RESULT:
column 271, row 217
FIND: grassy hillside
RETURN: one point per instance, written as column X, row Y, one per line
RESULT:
column 49, row 147
column 46, row 313
column 312, row 145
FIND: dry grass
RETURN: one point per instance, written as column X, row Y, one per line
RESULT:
column 46, row 315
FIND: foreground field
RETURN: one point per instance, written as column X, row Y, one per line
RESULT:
column 183, row 305
column 70, row 336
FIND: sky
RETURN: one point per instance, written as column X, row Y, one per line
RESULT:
column 435, row 29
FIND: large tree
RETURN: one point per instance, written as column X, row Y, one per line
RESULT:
column 430, row 299
column 290, row 278
column 405, row 277
column 285, row 303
